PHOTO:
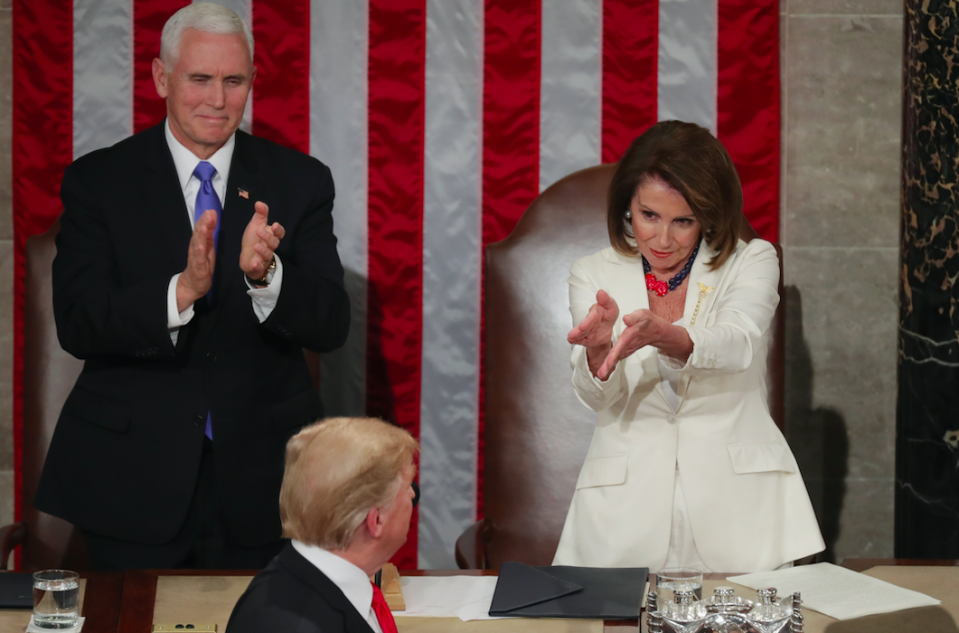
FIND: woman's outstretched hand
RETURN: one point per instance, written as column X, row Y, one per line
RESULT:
column 642, row 328
column 595, row 332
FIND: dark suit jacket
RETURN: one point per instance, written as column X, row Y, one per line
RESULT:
column 126, row 451
column 291, row 594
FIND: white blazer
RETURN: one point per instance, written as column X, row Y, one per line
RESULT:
column 748, row 507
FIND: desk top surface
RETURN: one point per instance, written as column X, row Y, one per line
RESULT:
column 122, row 602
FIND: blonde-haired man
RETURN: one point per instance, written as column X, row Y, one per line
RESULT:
column 346, row 501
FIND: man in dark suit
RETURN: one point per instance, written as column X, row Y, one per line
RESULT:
column 346, row 503
column 169, row 450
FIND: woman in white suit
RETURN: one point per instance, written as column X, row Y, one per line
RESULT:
column 686, row 466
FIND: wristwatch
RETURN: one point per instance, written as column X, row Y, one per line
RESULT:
column 267, row 275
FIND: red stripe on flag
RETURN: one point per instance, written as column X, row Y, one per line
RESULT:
column 42, row 129
column 630, row 60
column 511, row 104
column 281, row 99
column 148, row 20
column 397, row 96
column 747, row 104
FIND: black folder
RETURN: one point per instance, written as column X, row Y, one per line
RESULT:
column 16, row 590
column 569, row 592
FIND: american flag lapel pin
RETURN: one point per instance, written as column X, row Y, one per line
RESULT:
column 244, row 194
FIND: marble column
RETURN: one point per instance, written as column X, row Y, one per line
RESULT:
column 927, row 427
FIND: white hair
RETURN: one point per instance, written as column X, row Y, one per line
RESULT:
column 202, row 16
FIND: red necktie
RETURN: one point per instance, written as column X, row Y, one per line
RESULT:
column 382, row 611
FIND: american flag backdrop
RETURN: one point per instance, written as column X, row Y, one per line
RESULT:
column 441, row 121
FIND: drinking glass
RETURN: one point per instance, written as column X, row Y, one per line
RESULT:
column 668, row 581
column 56, row 599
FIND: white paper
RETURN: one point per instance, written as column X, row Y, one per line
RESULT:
column 464, row 597
column 837, row 592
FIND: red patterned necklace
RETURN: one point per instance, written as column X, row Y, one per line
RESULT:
column 662, row 287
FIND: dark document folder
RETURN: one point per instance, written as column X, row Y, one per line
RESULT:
column 16, row 590
column 569, row 592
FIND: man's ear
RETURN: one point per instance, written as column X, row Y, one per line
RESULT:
column 159, row 77
column 374, row 523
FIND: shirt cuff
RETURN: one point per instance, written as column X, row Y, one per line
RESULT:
column 176, row 319
column 264, row 299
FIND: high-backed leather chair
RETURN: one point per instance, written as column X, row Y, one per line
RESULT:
column 537, row 432
column 48, row 376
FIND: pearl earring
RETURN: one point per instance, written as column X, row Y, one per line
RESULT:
column 629, row 214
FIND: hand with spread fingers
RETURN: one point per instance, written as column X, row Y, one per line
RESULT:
column 260, row 239
column 195, row 281
column 595, row 332
column 642, row 328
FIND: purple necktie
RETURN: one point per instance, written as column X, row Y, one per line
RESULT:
column 206, row 199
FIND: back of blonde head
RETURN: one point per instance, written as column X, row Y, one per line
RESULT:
column 336, row 471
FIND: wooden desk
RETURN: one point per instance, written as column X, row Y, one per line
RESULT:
column 140, row 595
column 101, row 593
column 106, row 612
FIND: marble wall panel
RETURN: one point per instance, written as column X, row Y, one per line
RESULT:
column 841, row 82
column 927, row 468
column 841, row 378
column 843, row 130
column 843, row 7
column 867, row 520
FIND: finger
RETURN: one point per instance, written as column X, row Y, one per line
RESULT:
column 208, row 218
column 269, row 239
column 278, row 230
column 265, row 252
column 607, row 368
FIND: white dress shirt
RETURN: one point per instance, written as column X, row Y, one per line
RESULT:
column 351, row 580
column 185, row 161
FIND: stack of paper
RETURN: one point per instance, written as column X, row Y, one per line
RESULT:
column 837, row 592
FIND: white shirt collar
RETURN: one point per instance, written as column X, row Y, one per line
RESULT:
column 352, row 581
column 186, row 161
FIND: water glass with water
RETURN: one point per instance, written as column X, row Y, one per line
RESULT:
column 56, row 599
column 669, row 581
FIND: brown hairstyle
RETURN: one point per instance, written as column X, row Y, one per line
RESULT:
column 693, row 162
column 337, row 470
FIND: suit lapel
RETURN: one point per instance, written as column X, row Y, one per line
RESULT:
column 237, row 211
column 308, row 573
column 701, row 289
column 163, row 196
column 700, row 299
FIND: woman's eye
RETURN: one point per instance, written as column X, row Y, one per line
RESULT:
column 649, row 215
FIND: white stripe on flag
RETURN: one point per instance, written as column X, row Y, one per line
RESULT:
column 687, row 61
column 244, row 9
column 102, row 73
column 338, row 137
column 570, row 88
column 452, row 222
